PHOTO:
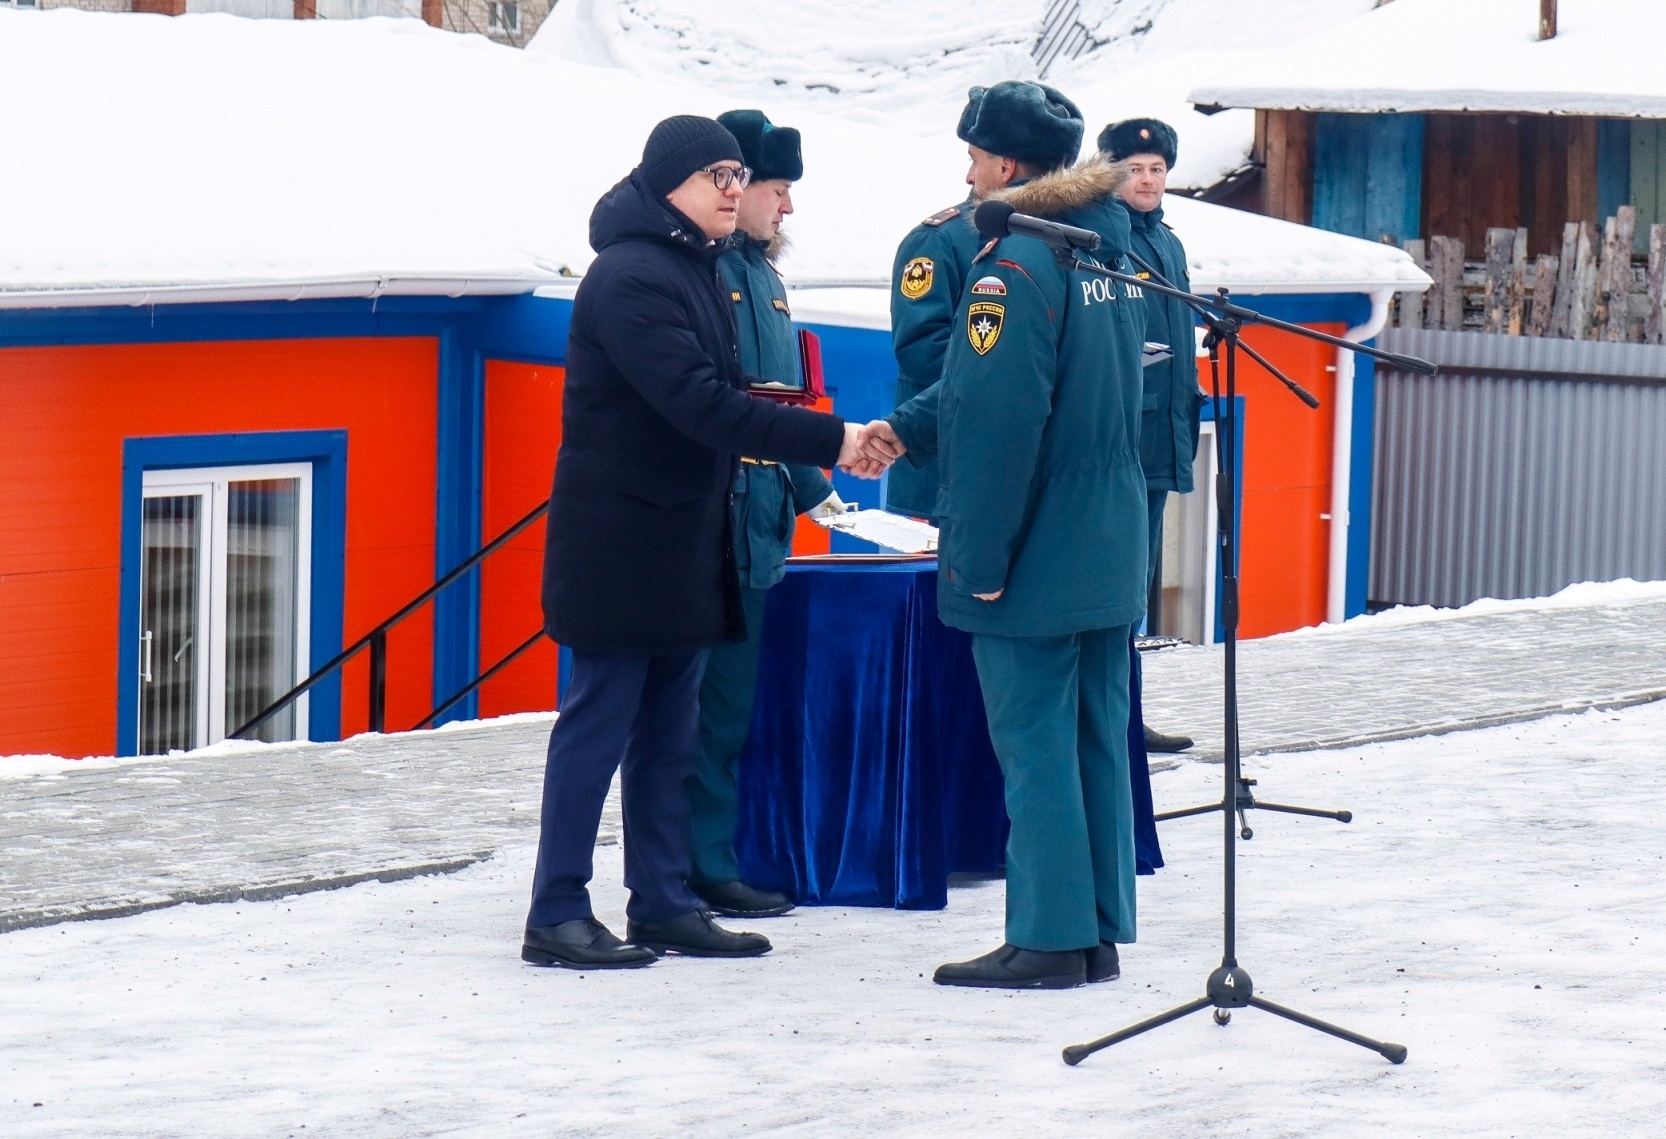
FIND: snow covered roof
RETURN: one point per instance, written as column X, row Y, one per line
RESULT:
column 212, row 158
column 1465, row 55
column 907, row 66
column 1225, row 247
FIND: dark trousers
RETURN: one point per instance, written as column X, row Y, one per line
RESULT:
column 1155, row 502
column 727, row 693
column 641, row 712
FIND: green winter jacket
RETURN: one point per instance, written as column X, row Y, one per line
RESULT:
column 1043, row 497
column 766, row 498
column 926, row 283
column 1169, row 411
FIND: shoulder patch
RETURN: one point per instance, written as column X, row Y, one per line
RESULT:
column 916, row 278
column 983, row 325
column 736, row 297
column 989, row 287
column 780, row 305
column 942, row 216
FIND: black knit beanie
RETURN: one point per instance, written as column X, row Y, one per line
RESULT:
column 771, row 151
column 681, row 145
column 1140, row 136
column 1018, row 119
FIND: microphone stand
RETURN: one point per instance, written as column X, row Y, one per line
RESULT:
column 1229, row 986
column 1225, row 448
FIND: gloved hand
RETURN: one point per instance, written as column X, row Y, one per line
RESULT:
column 827, row 507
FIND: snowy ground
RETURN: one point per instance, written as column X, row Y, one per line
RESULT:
column 1495, row 907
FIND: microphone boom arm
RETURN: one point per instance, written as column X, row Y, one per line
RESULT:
column 1220, row 307
column 1215, row 329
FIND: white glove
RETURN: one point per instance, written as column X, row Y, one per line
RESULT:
column 828, row 507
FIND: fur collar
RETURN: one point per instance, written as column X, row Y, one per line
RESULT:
column 773, row 249
column 1062, row 192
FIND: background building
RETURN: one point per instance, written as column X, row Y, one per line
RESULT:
column 246, row 425
column 513, row 22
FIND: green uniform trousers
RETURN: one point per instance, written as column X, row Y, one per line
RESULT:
column 726, row 697
column 1058, row 717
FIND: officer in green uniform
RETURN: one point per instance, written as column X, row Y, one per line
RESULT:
column 927, row 282
column 767, row 497
column 1170, row 409
column 1042, row 558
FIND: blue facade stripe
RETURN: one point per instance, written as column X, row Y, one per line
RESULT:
column 459, row 475
column 326, row 451
column 1360, row 475
column 529, row 330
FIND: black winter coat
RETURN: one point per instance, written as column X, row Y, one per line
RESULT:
column 639, row 557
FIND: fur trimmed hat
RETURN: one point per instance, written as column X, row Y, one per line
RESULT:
column 681, row 145
column 771, row 151
column 1026, row 121
column 1140, row 136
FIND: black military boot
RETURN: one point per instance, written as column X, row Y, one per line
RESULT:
column 696, row 935
column 583, row 943
column 738, row 900
column 1157, row 741
column 1102, row 963
column 1010, row 967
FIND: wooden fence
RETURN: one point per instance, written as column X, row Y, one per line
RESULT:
column 1595, row 290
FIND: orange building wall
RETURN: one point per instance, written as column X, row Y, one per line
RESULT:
column 1284, row 554
column 523, row 430
column 67, row 410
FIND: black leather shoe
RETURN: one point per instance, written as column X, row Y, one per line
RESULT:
column 738, row 900
column 583, row 943
column 696, row 935
column 1157, row 741
column 1102, row 963
column 1010, row 967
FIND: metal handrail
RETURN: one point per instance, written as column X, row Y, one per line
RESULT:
column 514, row 654
column 377, row 641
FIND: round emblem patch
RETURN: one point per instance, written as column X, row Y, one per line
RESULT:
column 916, row 278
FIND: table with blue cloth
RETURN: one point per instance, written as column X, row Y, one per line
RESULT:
column 868, row 777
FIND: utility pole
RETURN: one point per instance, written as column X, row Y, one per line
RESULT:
column 1547, row 19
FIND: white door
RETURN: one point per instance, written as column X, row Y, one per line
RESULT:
column 225, row 602
column 1190, row 550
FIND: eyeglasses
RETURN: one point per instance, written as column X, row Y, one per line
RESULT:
column 722, row 176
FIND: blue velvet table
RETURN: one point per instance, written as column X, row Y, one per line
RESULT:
column 868, row 777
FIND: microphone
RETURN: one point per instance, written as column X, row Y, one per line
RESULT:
column 998, row 219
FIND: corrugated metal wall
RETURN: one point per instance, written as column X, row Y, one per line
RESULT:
column 1527, row 465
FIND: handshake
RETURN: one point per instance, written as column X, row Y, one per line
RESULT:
column 869, row 449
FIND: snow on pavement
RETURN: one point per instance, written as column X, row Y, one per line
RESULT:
column 1495, row 907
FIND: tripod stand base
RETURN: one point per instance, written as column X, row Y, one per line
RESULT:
column 1229, row 988
column 1245, row 800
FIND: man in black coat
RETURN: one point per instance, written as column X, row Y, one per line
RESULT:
column 639, row 573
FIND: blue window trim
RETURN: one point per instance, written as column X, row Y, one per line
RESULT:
column 327, row 452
